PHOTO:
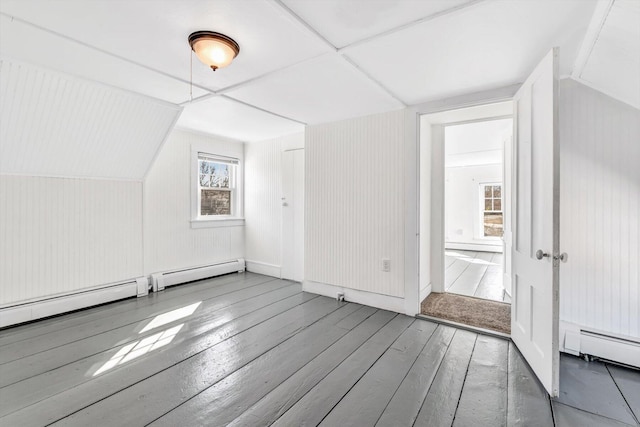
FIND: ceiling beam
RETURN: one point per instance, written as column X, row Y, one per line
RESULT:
column 599, row 17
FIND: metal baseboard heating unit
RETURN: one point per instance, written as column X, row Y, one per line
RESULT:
column 26, row 311
column 583, row 342
column 159, row 281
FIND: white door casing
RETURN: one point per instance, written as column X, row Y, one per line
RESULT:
column 293, row 215
column 535, row 229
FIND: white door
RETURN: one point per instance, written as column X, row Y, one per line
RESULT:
column 535, row 209
column 293, row 215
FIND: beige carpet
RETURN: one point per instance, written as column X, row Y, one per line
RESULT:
column 471, row 311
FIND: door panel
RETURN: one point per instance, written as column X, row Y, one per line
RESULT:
column 535, row 207
column 293, row 215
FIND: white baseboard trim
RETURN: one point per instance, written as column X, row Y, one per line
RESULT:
column 425, row 291
column 264, row 268
column 482, row 247
column 45, row 307
column 576, row 339
column 385, row 302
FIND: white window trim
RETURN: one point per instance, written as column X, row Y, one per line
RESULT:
column 481, row 211
column 198, row 221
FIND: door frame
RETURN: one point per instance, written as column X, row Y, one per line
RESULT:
column 413, row 191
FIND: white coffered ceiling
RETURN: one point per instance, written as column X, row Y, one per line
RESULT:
column 301, row 61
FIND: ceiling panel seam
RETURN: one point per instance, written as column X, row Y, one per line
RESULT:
column 422, row 20
column 230, row 98
column 376, row 82
column 286, row 10
column 122, row 58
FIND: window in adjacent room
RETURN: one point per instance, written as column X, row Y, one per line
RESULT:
column 217, row 186
column 492, row 220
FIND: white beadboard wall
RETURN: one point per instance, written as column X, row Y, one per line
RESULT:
column 62, row 235
column 600, row 211
column 54, row 124
column 355, row 186
column 263, row 192
column 170, row 242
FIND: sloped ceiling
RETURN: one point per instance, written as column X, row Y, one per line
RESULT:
column 53, row 124
column 609, row 59
column 301, row 61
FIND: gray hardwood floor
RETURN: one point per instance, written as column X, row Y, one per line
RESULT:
column 250, row 350
column 475, row 274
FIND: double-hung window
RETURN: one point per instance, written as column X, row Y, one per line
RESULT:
column 491, row 205
column 218, row 190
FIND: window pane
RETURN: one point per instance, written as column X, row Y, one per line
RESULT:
column 487, row 191
column 214, row 174
column 497, row 205
column 487, row 205
column 215, row 202
column 493, row 224
column 497, row 191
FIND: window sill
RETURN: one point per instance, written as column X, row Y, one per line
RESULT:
column 217, row 222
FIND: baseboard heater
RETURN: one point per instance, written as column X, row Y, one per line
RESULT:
column 13, row 314
column 621, row 349
column 159, row 281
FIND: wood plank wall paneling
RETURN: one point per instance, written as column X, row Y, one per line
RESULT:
column 62, row 235
column 354, row 206
column 53, row 124
column 263, row 192
column 600, row 210
column 170, row 242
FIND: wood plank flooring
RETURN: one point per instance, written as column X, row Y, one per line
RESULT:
column 475, row 274
column 251, row 350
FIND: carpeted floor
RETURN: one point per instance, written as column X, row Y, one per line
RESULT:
column 471, row 311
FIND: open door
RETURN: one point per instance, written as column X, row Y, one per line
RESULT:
column 535, row 211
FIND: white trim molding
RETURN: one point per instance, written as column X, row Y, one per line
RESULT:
column 384, row 302
column 264, row 268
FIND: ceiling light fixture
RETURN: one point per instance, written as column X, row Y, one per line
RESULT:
column 214, row 49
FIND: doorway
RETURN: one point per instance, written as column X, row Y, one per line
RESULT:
column 474, row 208
column 464, row 152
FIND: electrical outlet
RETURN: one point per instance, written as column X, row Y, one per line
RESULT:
column 386, row 265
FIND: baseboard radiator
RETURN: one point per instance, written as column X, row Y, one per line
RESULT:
column 26, row 311
column 581, row 341
column 159, row 281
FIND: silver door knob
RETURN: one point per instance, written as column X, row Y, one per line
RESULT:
column 540, row 254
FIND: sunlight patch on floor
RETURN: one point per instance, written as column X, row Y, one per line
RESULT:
column 140, row 348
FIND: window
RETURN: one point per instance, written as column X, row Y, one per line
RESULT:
column 492, row 220
column 217, row 187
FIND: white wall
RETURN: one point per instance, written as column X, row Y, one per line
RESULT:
column 599, row 211
column 263, row 205
column 62, row 235
column 355, row 204
column 462, row 205
column 170, row 241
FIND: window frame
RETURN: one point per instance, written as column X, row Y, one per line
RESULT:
column 482, row 211
column 221, row 156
